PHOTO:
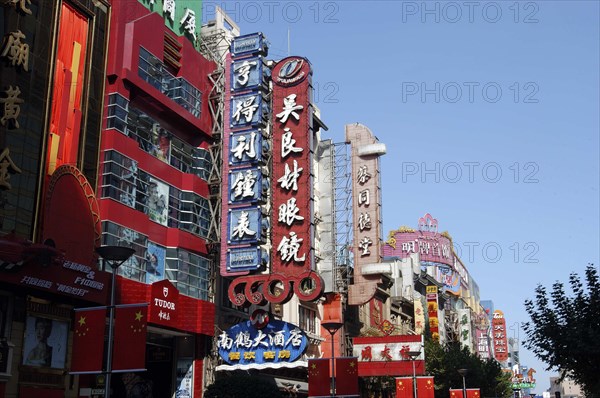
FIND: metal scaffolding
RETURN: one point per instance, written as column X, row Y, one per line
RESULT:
column 342, row 210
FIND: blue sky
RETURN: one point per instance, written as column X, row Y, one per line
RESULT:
column 490, row 116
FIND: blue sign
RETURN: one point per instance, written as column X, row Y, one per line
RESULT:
column 246, row 259
column 253, row 43
column 247, row 74
column 248, row 110
column 246, row 148
column 244, row 225
column 246, row 186
column 277, row 342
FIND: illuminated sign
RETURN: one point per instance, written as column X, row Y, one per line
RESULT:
column 499, row 336
column 247, row 110
column 244, row 225
column 276, row 342
column 247, row 258
column 247, row 147
column 247, row 74
column 248, row 44
column 164, row 303
column 246, row 185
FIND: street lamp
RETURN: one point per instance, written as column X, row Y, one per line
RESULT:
column 413, row 356
column 114, row 256
column 332, row 328
column 463, row 373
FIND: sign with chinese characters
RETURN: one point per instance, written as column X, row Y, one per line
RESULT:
column 277, row 342
column 247, row 74
column 499, row 336
column 432, row 312
column 246, row 147
column 431, row 246
column 244, row 225
column 246, row 185
column 164, row 303
column 246, row 258
column 292, row 177
column 247, row 110
column 389, row 355
column 366, row 210
column 253, row 43
column 483, row 346
column 464, row 322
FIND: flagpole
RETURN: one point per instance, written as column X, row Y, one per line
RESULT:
column 332, row 328
column 114, row 256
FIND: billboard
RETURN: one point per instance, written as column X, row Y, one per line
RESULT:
column 499, row 336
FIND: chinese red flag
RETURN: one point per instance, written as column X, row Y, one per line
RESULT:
column 319, row 382
column 88, row 340
column 456, row 393
column 129, row 349
column 404, row 387
column 425, row 387
column 346, row 381
column 473, row 393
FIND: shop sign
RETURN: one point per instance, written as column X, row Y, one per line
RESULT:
column 277, row 342
column 164, row 303
column 244, row 225
column 245, row 259
column 246, row 148
column 69, row 279
column 246, row 74
column 245, row 185
column 248, row 44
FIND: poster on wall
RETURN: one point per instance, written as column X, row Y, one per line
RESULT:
column 161, row 143
column 155, row 263
column 129, row 175
column 45, row 342
column 158, row 201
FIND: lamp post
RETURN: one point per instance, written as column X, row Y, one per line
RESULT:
column 413, row 356
column 463, row 373
column 332, row 328
column 114, row 256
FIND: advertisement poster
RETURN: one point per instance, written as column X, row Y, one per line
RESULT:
column 155, row 263
column 158, row 201
column 133, row 266
column 45, row 342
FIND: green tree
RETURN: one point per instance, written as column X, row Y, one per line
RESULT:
column 242, row 387
column 443, row 362
column 564, row 331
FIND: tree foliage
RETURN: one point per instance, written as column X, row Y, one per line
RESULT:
column 564, row 331
column 242, row 387
column 443, row 363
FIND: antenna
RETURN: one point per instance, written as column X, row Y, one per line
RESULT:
column 288, row 41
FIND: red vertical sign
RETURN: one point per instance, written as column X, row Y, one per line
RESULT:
column 88, row 340
column 346, row 380
column 404, row 387
column 425, row 387
column 319, row 380
column 129, row 349
column 499, row 335
column 292, row 174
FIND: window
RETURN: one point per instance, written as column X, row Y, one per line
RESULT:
column 189, row 272
column 117, row 112
column 307, row 319
column 118, row 235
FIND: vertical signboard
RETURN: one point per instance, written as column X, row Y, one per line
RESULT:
column 245, row 186
column 432, row 311
column 464, row 322
column 366, row 210
column 499, row 336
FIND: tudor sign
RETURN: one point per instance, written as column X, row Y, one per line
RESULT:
column 164, row 303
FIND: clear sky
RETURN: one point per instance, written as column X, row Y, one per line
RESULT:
column 490, row 114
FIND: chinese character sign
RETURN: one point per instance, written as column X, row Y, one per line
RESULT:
column 277, row 342
column 499, row 336
column 292, row 177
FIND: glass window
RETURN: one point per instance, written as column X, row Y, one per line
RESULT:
column 307, row 319
column 189, row 272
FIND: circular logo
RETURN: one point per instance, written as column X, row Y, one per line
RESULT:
column 291, row 71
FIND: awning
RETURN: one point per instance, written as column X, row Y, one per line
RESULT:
column 261, row 366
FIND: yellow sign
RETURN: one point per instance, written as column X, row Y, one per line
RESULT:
column 432, row 289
